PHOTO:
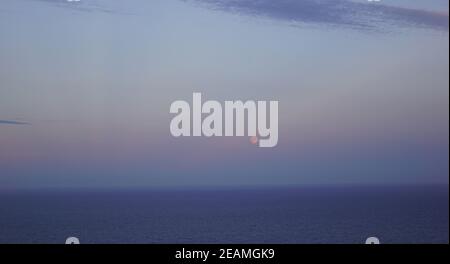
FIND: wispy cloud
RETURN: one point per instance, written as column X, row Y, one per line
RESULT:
column 82, row 5
column 344, row 13
column 12, row 122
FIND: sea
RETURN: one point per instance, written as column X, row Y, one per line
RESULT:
column 282, row 215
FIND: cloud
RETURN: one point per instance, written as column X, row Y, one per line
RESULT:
column 343, row 13
column 12, row 122
column 83, row 6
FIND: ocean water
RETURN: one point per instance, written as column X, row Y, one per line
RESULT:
column 240, row 215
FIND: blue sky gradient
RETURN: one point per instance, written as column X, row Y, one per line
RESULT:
column 363, row 91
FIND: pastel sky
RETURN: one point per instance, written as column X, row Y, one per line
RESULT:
column 85, row 90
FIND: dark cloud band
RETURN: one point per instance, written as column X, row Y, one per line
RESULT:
column 12, row 122
column 337, row 13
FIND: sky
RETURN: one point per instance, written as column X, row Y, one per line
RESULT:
column 86, row 86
